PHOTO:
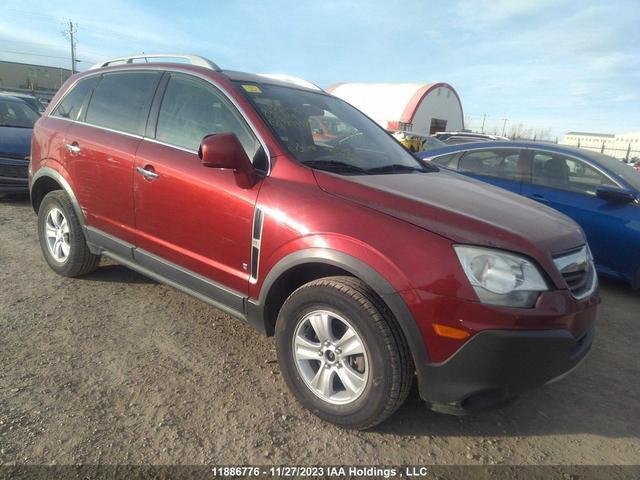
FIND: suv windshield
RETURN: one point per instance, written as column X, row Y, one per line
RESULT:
column 327, row 133
column 17, row 114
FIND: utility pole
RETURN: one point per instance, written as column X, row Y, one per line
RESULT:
column 69, row 35
column 484, row 117
column 504, row 126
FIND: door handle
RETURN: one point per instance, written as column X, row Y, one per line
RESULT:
column 147, row 172
column 538, row 198
column 74, row 148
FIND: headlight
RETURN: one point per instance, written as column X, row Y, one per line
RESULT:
column 501, row 278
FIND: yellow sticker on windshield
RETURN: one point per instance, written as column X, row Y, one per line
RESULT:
column 252, row 88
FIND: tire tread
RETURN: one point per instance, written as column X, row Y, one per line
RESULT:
column 82, row 261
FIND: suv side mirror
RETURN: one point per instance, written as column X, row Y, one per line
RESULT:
column 224, row 150
column 614, row 194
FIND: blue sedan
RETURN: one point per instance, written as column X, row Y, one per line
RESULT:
column 599, row 192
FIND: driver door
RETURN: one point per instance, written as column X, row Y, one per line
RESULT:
column 194, row 222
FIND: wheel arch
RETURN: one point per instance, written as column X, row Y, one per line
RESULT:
column 46, row 180
column 321, row 262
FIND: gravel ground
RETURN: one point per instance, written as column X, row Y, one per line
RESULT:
column 114, row 368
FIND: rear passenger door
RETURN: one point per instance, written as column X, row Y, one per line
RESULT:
column 100, row 152
column 194, row 223
column 502, row 167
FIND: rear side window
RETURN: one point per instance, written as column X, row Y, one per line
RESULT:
column 192, row 110
column 71, row 105
column 500, row 163
column 122, row 100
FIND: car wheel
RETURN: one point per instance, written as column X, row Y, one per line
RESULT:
column 61, row 237
column 342, row 353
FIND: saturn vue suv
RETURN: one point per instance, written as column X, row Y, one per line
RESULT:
column 370, row 268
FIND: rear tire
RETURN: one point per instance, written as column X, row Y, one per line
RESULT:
column 363, row 370
column 61, row 237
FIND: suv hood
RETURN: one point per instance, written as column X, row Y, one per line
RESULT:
column 461, row 209
column 15, row 142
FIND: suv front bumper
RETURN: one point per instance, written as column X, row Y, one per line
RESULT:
column 494, row 366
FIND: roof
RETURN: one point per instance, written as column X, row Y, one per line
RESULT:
column 579, row 152
column 34, row 65
column 272, row 79
column 587, row 134
column 387, row 101
column 17, row 94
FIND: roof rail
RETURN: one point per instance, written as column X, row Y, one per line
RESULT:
column 301, row 82
column 193, row 60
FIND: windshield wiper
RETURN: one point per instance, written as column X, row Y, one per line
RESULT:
column 335, row 165
column 396, row 167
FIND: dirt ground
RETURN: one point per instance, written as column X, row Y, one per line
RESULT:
column 114, row 368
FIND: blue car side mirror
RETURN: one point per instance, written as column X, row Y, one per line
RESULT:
column 615, row 194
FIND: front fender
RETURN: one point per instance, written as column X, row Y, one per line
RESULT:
column 361, row 270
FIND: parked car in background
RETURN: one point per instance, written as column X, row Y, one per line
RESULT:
column 454, row 138
column 599, row 192
column 34, row 102
column 415, row 142
column 16, row 124
column 367, row 265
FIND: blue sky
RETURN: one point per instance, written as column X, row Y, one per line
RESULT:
column 562, row 65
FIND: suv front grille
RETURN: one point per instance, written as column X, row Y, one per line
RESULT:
column 577, row 269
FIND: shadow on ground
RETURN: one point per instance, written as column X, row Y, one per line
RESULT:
column 117, row 274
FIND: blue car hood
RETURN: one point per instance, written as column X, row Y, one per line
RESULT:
column 15, row 141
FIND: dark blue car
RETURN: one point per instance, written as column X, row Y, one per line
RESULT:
column 16, row 125
column 599, row 192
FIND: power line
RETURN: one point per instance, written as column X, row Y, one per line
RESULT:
column 40, row 55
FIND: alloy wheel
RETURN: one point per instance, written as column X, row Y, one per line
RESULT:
column 56, row 232
column 331, row 357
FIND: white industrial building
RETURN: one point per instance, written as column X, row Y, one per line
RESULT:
column 413, row 107
column 622, row 146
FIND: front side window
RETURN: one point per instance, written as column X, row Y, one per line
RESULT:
column 121, row 101
column 327, row 133
column 16, row 114
column 71, row 105
column 566, row 173
column 501, row 163
column 192, row 109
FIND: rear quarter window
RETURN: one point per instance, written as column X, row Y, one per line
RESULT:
column 445, row 160
column 121, row 101
column 71, row 104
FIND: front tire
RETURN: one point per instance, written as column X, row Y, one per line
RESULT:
column 342, row 353
column 61, row 237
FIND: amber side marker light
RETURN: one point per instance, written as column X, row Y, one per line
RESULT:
column 450, row 332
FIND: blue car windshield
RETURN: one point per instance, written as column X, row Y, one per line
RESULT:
column 14, row 113
column 620, row 169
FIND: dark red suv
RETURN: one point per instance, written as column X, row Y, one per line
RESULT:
column 368, row 266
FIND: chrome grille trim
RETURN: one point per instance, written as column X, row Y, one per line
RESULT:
column 578, row 272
